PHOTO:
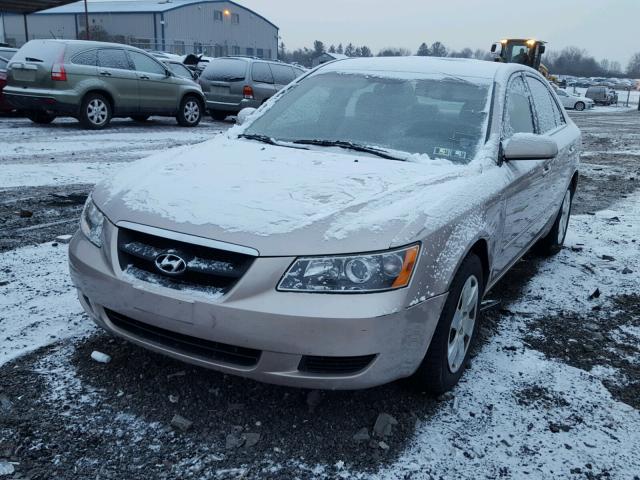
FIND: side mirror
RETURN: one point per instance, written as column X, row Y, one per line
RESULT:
column 244, row 114
column 527, row 146
column 496, row 48
column 542, row 49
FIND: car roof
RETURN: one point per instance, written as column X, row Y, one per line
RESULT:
column 462, row 67
column 90, row 43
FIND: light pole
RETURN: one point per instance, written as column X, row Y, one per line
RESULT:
column 86, row 19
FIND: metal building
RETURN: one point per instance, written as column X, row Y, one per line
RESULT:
column 212, row 27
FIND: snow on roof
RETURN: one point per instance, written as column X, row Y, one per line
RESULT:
column 423, row 65
column 136, row 6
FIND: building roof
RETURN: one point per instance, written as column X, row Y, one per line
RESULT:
column 136, row 6
column 29, row 6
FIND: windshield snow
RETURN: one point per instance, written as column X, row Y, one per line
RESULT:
column 437, row 116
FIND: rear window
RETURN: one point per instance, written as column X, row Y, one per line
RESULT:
column 113, row 58
column 226, row 70
column 88, row 57
column 260, row 72
column 180, row 70
column 282, row 74
column 46, row 51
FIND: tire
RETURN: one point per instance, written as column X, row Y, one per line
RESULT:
column 41, row 118
column 580, row 106
column 95, row 112
column 553, row 241
column 218, row 115
column 448, row 353
column 140, row 118
column 190, row 111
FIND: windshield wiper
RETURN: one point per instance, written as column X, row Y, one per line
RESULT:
column 267, row 139
column 350, row 146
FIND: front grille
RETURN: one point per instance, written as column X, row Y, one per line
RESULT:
column 205, row 349
column 207, row 269
column 334, row 365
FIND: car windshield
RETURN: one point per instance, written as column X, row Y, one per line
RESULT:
column 440, row 116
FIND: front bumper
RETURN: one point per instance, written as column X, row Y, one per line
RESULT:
column 285, row 328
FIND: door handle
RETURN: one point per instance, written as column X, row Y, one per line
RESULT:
column 144, row 77
column 105, row 73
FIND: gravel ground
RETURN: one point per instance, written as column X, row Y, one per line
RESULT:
column 553, row 389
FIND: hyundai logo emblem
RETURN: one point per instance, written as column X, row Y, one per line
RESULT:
column 171, row 264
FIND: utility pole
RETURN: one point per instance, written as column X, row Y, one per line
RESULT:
column 86, row 19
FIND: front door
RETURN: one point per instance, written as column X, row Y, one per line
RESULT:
column 526, row 188
column 158, row 91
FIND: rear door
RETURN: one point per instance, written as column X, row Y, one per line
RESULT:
column 262, row 81
column 157, row 91
column 82, row 65
column 115, row 70
column 30, row 68
column 283, row 75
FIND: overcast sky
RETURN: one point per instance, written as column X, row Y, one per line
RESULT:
column 606, row 28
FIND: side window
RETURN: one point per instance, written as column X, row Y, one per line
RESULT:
column 544, row 105
column 86, row 58
column 113, row 58
column 146, row 64
column 282, row 74
column 518, row 116
column 260, row 72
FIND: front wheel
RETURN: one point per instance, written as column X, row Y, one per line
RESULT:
column 580, row 106
column 190, row 112
column 95, row 112
column 553, row 241
column 448, row 353
column 41, row 118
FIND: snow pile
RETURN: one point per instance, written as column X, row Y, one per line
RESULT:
column 39, row 304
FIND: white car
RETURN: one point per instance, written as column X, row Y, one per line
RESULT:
column 575, row 102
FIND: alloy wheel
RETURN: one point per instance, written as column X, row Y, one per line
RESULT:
column 191, row 111
column 463, row 323
column 97, row 111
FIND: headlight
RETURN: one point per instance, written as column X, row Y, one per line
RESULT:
column 91, row 222
column 351, row 273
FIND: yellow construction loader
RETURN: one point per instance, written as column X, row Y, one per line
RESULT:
column 527, row 51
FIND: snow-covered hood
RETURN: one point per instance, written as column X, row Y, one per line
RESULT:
column 280, row 201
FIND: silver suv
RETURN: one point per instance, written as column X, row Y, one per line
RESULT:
column 233, row 83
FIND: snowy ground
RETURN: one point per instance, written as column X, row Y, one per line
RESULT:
column 553, row 391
